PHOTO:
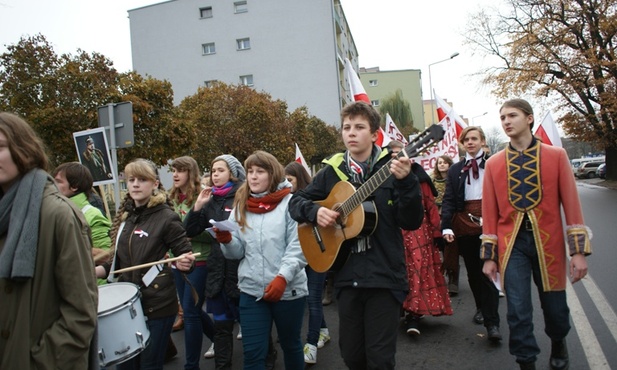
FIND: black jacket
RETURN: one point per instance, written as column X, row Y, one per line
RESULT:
column 454, row 196
column 222, row 273
column 149, row 232
column 399, row 205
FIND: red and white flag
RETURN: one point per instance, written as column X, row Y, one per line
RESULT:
column 393, row 132
column 547, row 131
column 300, row 159
column 445, row 110
column 359, row 94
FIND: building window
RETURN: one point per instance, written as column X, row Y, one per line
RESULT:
column 243, row 44
column 205, row 12
column 246, row 80
column 375, row 103
column 372, row 82
column 208, row 48
column 210, row 83
column 240, row 7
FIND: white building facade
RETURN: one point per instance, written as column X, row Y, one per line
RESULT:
column 292, row 49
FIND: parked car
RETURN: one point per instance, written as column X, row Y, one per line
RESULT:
column 587, row 170
column 601, row 171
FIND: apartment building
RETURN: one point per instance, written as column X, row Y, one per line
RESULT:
column 294, row 50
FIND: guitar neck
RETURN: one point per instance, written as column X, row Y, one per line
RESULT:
column 420, row 143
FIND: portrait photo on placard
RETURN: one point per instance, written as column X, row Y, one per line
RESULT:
column 93, row 152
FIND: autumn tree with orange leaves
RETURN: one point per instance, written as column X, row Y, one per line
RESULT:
column 561, row 52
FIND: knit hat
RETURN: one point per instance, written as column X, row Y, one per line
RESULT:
column 235, row 166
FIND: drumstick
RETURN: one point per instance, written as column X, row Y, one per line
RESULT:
column 137, row 267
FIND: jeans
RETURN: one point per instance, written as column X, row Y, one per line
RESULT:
column 153, row 356
column 316, row 318
column 484, row 291
column 196, row 321
column 369, row 321
column 257, row 318
column 522, row 266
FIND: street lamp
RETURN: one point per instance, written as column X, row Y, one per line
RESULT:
column 430, row 82
column 479, row 115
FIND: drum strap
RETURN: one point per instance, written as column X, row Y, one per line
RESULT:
column 112, row 278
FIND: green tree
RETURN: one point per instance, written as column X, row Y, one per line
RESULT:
column 400, row 111
column 562, row 51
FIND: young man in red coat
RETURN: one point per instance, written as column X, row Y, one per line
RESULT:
column 524, row 187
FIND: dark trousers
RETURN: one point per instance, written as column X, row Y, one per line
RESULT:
column 368, row 328
column 316, row 319
column 153, row 356
column 484, row 291
column 196, row 321
column 257, row 317
column 521, row 268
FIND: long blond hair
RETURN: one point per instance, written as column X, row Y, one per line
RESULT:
column 142, row 168
column 274, row 168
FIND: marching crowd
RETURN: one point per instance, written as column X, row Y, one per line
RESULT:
column 398, row 257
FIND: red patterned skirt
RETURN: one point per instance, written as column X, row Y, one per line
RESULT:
column 428, row 292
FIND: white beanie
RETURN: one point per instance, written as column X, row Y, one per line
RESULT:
column 235, row 167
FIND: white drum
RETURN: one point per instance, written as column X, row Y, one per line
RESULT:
column 122, row 328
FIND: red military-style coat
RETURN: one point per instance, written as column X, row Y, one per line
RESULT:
column 535, row 182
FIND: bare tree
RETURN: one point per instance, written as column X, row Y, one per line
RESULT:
column 562, row 51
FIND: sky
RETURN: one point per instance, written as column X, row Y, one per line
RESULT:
column 389, row 34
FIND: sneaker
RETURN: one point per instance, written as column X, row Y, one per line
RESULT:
column 239, row 336
column 501, row 294
column 412, row 326
column 210, row 352
column 324, row 337
column 310, row 354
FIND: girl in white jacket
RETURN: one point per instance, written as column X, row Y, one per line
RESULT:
column 271, row 274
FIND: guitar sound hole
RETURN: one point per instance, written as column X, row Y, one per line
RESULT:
column 340, row 221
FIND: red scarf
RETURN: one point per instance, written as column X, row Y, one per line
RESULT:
column 266, row 203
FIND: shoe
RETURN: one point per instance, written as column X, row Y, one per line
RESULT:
column 501, row 294
column 452, row 289
column 324, row 337
column 478, row 318
column 412, row 326
column 310, row 354
column 210, row 352
column 559, row 355
column 239, row 336
column 527, row 365
column 493, row 333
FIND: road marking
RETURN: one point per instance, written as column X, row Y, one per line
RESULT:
column 598, row 298
column 589, row 341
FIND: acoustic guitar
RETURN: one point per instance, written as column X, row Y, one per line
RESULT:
column 324, row 248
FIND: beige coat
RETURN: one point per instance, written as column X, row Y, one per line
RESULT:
column 48, row 321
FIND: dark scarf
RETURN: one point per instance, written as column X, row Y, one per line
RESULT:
column 20, row 210
column 268, row 202
column 359, row 172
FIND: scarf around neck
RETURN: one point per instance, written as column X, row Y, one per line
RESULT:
column 268, row 202
column 221, row 191
column 359, row 172
column 20, row 210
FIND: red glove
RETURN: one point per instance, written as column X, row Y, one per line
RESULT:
column 274, row 291
column 222, row 236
